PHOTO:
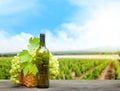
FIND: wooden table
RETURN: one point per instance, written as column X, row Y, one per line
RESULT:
column 67, row 85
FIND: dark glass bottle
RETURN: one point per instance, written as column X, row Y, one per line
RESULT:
column 42, row 57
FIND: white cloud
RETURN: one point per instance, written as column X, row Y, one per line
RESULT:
column 102, row 29
column 14, row 6
column 62, row 41
column 87, row 3
column 14, row 43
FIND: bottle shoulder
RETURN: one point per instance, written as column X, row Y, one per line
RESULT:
column 42, row 50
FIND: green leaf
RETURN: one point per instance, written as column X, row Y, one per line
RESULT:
column 25, row 70
column 28, row 67
column 23, row 65
column 25, row 56
column 33, row 43
column 33, row 70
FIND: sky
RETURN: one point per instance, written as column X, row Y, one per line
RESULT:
column 68, row 24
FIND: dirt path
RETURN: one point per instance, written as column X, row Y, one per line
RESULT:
column 108, row 72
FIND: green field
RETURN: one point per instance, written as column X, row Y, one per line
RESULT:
column 70, row 68
column 5, row 65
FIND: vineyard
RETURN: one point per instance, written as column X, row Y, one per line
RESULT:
column 88, row 69
column 5, row 65
column 76, row 68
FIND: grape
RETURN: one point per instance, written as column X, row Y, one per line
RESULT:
column 33, row 53
column 15, row 70
column 54, row 67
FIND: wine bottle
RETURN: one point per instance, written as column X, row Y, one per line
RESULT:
column 42, row 57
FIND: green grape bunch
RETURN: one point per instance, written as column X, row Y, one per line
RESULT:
column 15, row 70
column 54, row 67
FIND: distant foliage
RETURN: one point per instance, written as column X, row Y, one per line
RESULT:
column 5, row 66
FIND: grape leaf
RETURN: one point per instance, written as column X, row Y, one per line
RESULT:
column 29, row 68
column 23, row 65
column 25, row 70
column 33, row 69
column 33, row 43
column 25, row 56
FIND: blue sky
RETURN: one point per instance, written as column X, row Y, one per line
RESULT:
column 68, row 24
column 33, row 16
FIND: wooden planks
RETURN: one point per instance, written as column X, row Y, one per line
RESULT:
column 67, row 85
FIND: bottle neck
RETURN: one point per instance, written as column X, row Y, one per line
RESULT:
column 42, row 40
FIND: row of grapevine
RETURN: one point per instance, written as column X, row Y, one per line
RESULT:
column 5, row 67
column 79, row 66
column 117, row 69
column 96, row 72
